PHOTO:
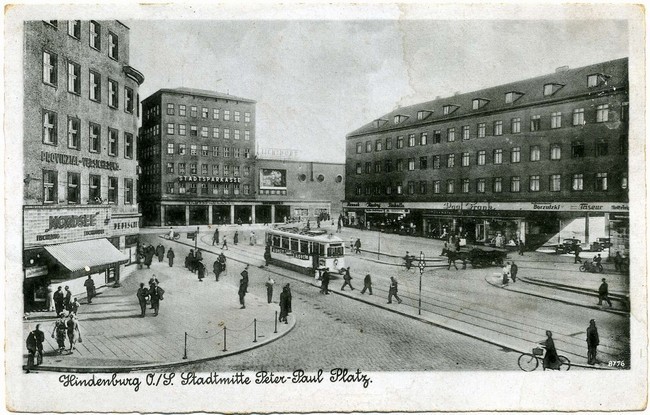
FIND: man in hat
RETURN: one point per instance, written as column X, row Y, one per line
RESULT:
column 58, row 300
column 592, row 342
column 170, row 256
column 142, row 295
column 90, row 289
column 242, row 293
column 67, row 300
column 603, row 293
column 244, row 275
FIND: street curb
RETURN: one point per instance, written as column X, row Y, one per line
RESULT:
column 572, row 288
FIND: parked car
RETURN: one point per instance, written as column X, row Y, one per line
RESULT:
column 568, row 245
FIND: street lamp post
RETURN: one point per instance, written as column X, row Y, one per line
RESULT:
column 196, row 239
column 378, row 242
column 421, row 265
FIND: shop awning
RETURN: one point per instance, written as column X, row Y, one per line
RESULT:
column 86, row 257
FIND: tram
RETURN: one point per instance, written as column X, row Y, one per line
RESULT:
column 306, row 251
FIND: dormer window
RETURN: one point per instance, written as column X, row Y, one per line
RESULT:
column 399, row 118
column 449, row 109
column 550, row 89
column 423, row 114
column 513, row 96
column 379, row 122
column 479, row 103
column 596, row 79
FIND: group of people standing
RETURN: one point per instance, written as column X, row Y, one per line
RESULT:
column 146, row 253
column 154, row 294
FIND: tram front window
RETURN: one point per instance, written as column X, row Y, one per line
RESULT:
column 335, row 251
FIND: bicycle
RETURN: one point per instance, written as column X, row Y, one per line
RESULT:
column 529, row 361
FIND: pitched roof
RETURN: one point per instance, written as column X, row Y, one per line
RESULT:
column 568, row 83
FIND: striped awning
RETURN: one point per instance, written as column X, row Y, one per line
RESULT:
column 85, row 257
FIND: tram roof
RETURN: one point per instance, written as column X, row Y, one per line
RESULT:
column 310, row 235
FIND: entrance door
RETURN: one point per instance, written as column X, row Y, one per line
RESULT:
column 480, row 232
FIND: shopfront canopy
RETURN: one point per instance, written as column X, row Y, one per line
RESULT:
column 87, row 257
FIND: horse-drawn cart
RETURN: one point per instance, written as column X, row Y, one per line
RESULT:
column 480, row 256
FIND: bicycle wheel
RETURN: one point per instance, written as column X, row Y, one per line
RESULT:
column 566, row 363
column 527, row 362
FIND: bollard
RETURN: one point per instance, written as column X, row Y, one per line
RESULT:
column 254, row 330
column 276, row 322
column 224, row 339
column 185, row 352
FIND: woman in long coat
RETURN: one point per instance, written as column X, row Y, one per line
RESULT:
column 284, row 304
column 551, row 360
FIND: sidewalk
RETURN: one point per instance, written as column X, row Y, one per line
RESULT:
column 116, row 339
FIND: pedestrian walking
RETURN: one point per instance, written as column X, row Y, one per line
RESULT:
column 153, row 281
column 522, row 247
column 200, row 270
column 160, row 252
column 156, row 295
column 514, row 269
column 34, row 344
column 269, row 289
column 451, row 259
column 244, row 275
column 325, row 282
column 50, row 297
column 408, row 261
column 67, row 299
column 222, row 261
column 58, row 300
column 148, row 255
column 267, row 255
column 252, row 239
column 347, row 278
column 392, row 291
column 60, row 331
column 592, row 342
column 618, row 261
column 505, row 272
column 225, row 244
column 189, row 261
column 576, row 253
column 357, row 246
column 142, row 295
column 242, row 293
column 72, row 328
column 367, row 284
column 551, row 359
column 170, row 257
column 216, row 268
column 74, row 306
column 90, row 289
column 338, row 226
column 284, row 304
column 603, row 293
column 288, row 288
column 215, row 237
column 235, row 238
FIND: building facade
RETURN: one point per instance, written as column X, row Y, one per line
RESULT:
column 525, row 159
column 80, row 167
column 196, row 155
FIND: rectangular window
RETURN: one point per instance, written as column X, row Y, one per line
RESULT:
column 226, row 115
column 226, row 133
column 423, row 187
column 436, row 186
column 451, row 160
column 50, row 186
column 94, row 138
column 215, row 151
column 95, row 86
column 515, row 125
column 112, row 190
column 204, row 169
column 535, row 153
column 368, row 146
column 247, row 135
column 169, row 187
column 205, row 151
column 388, row 165
column 411, row 142
column 592, row 81
column 481, row 130
column 194, row 132
column 368, row 167
column 556, row 152
column 235, row 189
column 423, row 139
column 215, row 113
column 74, row 28
column 193, row 150
column 49, row 68
column 128, row 145
column 556, row 120
column 182, row 189
column 170, row 149
column 247, row 117
column 236, row 134
column 464, row 186
column 450, row 186
column 464, row 159
column 535, row 123
column 181, row 110
column 181, row 129
column 480, row 185
column 74, row 139
column 193, row 168
column 378, row 145
column 226, row 151
column 410, row 188
column 204, row 112
column 465, row 132
column 359, row 148
column 497, row 185
column 577, row 182
column 601, row 181
column 389, row 143
column 247, row 171
column 359, row 168
column 181, row 149
column 236, row 152
column 399, row 166
column 170, row 167
column 204, row 132
column 497, row 156
column 534, row 183
column 74, row 78
column 515, row 185
column 112, row 142
column 74, row 190
column 601, row 148
column 226, row 170
column 498, row 127
column 128, row 100
column 480, row 158
column 579, row 116
column 555, row 183
column 128, row 191
column 437, row 137
column 113, row 94
column 602, row 113
column 215, row 170
column 236, row 116
column 193, row 111
column 170, row 109
column 400, row 142
column 548, row 89
column 94, row 188
column 577, row 149
column 398, row 189
column 170, row 128
column 436, row 162
column 95, row 39
column 377, row 166
column 451, row 135
column 215, row 132
column 423, row 162
column 113, row 46
column 515, row 155
column 181, row 168
column 411, row 164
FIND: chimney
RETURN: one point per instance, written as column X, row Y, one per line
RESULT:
column 562, row 69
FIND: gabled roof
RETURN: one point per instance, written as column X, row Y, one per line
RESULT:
column 574, row 81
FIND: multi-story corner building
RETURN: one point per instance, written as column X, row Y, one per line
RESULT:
column 80, row 214
column 528, row 159
column 196, row 153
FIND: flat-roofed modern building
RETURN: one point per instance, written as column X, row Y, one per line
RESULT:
column 526, row 159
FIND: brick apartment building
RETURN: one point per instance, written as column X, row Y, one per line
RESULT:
column 80, row 215
column 522, row 159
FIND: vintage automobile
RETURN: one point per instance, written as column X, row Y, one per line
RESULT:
column 568, row 245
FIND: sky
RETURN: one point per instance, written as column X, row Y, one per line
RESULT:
column 316, row 81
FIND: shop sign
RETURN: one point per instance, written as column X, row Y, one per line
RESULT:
column 60, row 225
column 396, row 204
column 352, row 204
column 58, row 158
column 33, row 272
column 209, row 179
column 71, row 221
column 398, row 211
column 132, row 224
column 375, row 210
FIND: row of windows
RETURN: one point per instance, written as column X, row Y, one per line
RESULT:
column 480, row 185
column 480, row 158
column 74, row 135
column 481, row 131
column 205, row 188
column 549, row 89
column 74, row 82
column 216, row 113
column 205, row 150
column 216, row 170
column 94, row 35
column 181, row 129
column 96, row 192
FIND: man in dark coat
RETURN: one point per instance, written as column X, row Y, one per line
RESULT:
column 58, row 300
column 242, row 293
column 67, row 300
column 284, row 305
column 269, row 289
column 34, row 344
column 603, row 293
column 201, row 270
column 216, row 268
column 160, row 252
column 367, row 284
column 592, row 342
column 215, row 237
column 325, row 282
column 577, row 249
column 392, row 291
column 288, row 287
column 347, row 278
column 267, row 255
column 513, row 271
column 156, row 294
column 170, row 256
column 222, row 261
column 148, row 255
column 235, row 238
column 244, row 275
column 357, row 246
column 90, row 289
column 142, row 295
